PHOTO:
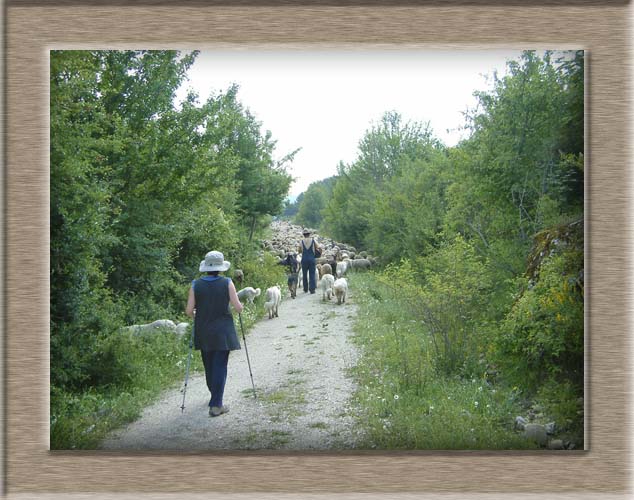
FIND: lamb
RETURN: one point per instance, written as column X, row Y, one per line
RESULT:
column 340, row 288
column 249, row 293
column 273, row 297
column 327, row 280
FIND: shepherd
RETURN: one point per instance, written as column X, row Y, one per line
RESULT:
column 208, row 304
column 310, row 251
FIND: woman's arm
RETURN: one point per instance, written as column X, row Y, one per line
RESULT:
column 191, row 303
column 233, row 298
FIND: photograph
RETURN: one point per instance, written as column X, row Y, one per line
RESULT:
column 317, row 250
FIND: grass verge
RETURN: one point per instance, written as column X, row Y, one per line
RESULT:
column 404, row 403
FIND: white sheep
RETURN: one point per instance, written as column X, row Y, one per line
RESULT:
column 326, row 283
column 273, row 297
column 342, row 268
column 340, row 287
column 249, row 293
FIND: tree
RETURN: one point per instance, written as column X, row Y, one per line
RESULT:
column 383, row 151
column 313, row 201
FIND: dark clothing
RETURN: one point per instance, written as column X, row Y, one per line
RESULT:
column 309, row 267
column 214, row 327
column 215, row 363
column 214, row 332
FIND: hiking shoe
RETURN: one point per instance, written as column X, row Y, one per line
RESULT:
column 216, row 411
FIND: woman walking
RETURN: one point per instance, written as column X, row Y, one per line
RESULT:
column 215, row 332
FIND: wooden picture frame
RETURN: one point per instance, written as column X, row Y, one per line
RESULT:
column 33, row 28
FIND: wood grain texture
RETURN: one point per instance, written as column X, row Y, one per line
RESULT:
column 602, row 31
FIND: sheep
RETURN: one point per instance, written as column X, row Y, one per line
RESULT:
column 273, row 297
column 342, row 268
column 155, row 326
column 359, row 264
column 324, row 269
column 327, row 280
column 249, row 293
column 340, row 287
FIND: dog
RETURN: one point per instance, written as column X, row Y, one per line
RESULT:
column 291, row 261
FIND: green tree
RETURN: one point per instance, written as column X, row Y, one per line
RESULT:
column 383, row 151
column 313, row 202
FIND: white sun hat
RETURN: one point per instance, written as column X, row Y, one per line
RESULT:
column 214, row 261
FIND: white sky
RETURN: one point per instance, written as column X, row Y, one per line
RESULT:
column 325, row 101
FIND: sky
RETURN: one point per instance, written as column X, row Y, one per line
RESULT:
column 324, row 101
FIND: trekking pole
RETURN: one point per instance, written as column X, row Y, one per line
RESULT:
column 247, row 353
column 189, row 360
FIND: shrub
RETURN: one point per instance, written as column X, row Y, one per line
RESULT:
column 405, row 402
column 542, row 336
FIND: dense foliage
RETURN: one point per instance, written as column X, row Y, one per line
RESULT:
column 140, row 191
column 481, row 298
column 312, row 203
column 484, row 240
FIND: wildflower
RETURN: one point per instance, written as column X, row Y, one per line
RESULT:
column 480, row 389
column 476, row 404
column 431, row 408
column 396, row 396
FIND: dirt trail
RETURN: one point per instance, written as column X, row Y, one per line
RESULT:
column 299, row 363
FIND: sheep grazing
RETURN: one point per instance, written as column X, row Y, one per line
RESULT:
column 249, row 293
column 340, row 287
column 326, row 283
column 273, row 297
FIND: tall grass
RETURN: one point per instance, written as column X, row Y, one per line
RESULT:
column 406, row 403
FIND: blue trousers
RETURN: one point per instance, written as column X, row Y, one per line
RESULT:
column 308, row 275
column 215, row 363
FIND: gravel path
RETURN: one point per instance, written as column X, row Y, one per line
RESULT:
column 299, row 363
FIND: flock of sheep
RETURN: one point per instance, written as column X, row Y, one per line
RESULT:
column 336, row 261
column 332, row 267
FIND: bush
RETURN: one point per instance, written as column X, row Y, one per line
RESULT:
column 128, row 370
column 447, row 293
column 542, row 336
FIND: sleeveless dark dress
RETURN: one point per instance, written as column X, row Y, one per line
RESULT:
column 214, row 327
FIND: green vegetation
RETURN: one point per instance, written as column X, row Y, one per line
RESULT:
column 474, row 315
column 481, row 249
column 140, row 191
